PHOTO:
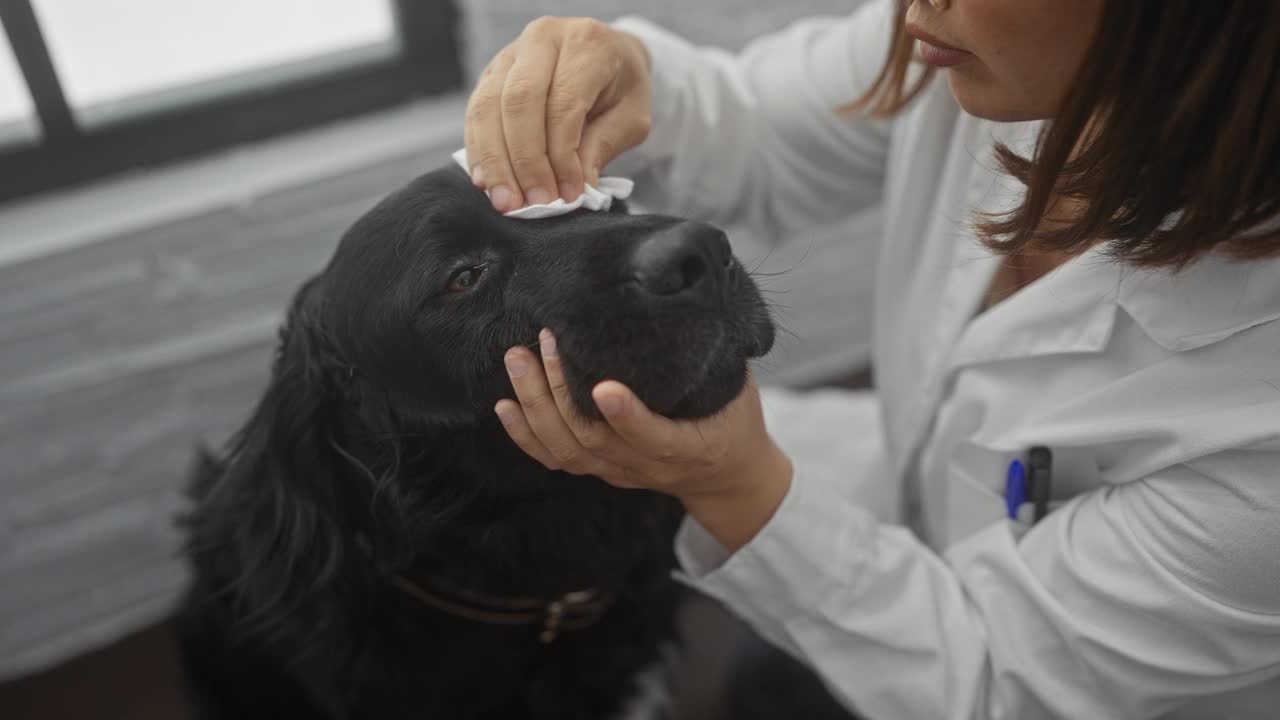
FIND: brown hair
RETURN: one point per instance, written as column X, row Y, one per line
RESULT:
column 1168, row 141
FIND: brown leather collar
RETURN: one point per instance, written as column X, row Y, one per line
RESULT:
column 571, row 611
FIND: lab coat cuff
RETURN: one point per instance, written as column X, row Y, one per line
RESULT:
column 816, row 540
column 668, row 57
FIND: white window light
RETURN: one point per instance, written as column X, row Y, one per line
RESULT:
column 119, row 58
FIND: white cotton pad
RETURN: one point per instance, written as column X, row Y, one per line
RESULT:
column 592, row 198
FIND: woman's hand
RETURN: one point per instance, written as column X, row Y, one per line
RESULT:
column 554, row 107
column 726, row 469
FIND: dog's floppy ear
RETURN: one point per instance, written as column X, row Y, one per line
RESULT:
column 277, row 488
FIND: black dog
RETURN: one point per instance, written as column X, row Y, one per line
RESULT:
column 374, row 546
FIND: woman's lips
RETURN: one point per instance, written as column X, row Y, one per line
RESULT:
column 935, row 52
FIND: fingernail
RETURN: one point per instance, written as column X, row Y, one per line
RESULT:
column 516, row 366
column 610, row 404
column 568, row 192
column 477, row 175
column 504, row 414
column 538, row 196
column 501, row 197
column 547, row 342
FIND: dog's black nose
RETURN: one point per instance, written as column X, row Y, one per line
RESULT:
column 688, row 257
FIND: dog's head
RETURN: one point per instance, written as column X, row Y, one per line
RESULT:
column 428, row 290
column 379, row 419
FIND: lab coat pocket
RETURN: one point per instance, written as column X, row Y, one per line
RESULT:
column 976, row 478
column 975, row 489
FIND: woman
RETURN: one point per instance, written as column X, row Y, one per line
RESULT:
column 1081, row 253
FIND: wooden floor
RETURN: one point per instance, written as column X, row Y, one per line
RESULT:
column 134, row 679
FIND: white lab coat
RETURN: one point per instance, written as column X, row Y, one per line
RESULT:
column 1153, row 587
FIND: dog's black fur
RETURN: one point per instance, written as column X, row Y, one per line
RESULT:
column 378, row 422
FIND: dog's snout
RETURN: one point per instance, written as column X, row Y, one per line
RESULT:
column 688, row 257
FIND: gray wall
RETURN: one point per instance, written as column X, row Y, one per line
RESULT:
column 491, row 24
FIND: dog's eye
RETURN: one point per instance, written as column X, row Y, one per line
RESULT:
column 464, row 279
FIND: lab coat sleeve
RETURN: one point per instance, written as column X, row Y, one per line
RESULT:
column 758, row 137
column 1124, row 603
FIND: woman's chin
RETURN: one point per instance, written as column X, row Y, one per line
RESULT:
column 981, row 96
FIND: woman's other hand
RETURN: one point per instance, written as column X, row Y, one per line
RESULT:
column 554, row 107
column 726, row 469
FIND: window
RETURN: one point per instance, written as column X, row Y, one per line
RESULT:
column 116, row 58
column 17, row 112
column 96, row 87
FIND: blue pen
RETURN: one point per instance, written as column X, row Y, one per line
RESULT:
column 1015, row 488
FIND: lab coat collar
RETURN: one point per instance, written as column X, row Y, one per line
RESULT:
column 1070, row 310
column 1210, row 300
column 1073, row 309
